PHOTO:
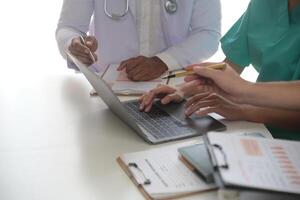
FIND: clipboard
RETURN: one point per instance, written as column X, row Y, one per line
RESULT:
column 130, row 175
column 176, row 170
column 226, row 163
column 143, row 191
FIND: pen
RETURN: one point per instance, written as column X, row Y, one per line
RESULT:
column 91, row 55
column 219, row 66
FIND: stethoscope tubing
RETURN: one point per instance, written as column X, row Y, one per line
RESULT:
column 170, row 7
column 115, row 16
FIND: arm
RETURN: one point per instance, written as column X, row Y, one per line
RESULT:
column 285, row 95
column 74, row 21
column 271, row 116
column 203, row 39
column 210, row 102
column 274, row 94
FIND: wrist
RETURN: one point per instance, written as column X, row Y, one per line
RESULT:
column 169, row 60
column 246, row 92
column 161, row 63
column 252, row 114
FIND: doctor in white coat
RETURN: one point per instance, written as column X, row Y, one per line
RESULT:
column 148, row 37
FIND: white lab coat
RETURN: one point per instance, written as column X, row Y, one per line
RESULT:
column 192, row 34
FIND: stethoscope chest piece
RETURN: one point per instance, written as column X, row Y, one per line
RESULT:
column 171, row 6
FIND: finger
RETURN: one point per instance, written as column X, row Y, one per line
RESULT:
column 205, row 89
column 218, row 98
column 150, row 97
column 201, row 104
column 140, row 99
column 134, row 64
column 213, row 96
column 161, row 90
column 191, row 78
column 133, row 73
column 195, row 99
column 95, row 56
column 206, row 111
column 76, row 45
column 140, row 76
column 190, row 67
column 190, row 88
column 122, row 66
column 127, row 64
column 78, row 53
column 207, row 72
column 92, row 43
column 142, row 102
column 171, row 98
column 160, row 85
column 143, row 73
column 133, row 69
column 85, row 60
column 143, row 107
column 124, row 63
column 148, row 107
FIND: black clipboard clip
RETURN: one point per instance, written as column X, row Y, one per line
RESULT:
column 212, row 156
column 225, row 165
column 147, row 181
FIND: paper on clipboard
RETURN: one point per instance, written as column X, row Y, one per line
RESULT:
column 120, row 84
column 259, row 163
column 169, row 176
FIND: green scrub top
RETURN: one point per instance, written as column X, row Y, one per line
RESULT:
column 267, row 36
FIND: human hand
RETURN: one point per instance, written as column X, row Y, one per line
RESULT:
column 143, row 68
column 166, row 94
column 82, row 51
column 205, row 103
column 226, row 82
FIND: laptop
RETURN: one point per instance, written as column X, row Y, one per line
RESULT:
column 163, row 123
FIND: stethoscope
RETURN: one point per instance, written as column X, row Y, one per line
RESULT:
column 170, row 7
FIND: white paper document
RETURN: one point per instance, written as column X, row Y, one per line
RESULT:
column 168, row 175
column 120, row 84
column 259, row 162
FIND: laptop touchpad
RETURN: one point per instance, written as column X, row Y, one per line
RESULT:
column 174, row 109
column 203, row 124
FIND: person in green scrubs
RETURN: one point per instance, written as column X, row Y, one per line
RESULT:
column 267, row 36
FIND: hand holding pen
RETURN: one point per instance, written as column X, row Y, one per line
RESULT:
column 84, row 49
column 195, row 84
column 190, row 69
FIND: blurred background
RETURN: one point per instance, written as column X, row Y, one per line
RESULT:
column 30, row 66
column 28, row 48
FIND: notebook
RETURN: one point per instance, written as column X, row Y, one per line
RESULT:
column 120, row 84
column 197, row 156
column 160, row 174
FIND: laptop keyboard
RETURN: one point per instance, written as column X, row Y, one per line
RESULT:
column 157, row 122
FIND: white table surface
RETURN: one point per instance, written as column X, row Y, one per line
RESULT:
column 58, row 143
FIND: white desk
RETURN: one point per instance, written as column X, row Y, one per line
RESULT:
column 58, row 143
